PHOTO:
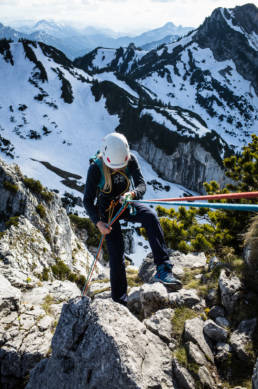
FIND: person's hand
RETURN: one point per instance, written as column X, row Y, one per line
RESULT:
column 104, row 229
column 126, row 197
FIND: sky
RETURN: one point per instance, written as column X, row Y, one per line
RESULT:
column 130, row 16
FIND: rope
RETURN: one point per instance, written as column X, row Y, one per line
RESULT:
column 245, row 195
column 94, row 262
column 235, row 207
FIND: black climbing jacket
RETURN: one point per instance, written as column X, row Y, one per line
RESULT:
column 96, row 201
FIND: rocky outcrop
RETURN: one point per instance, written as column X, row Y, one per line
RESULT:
column 190, row 165
column 230, row 289
column 39, row 257
column 27, row 324
column 103, row 344
column 228, row 43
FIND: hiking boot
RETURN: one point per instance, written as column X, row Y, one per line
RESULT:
column 165, row 275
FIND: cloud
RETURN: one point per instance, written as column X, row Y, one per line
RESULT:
column 121, row 15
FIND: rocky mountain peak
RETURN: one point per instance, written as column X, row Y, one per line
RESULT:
column 231, row 34
column 247, row 17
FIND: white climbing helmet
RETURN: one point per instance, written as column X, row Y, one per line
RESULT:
column 115, row 150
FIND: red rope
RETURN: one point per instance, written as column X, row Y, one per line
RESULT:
column 245, row 195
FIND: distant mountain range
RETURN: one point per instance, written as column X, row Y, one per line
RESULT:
column 75, row 42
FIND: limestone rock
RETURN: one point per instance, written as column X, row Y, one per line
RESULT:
column 179, row 262
column 147, row 299
column 223, row 352
column 214, row 331
column 183, row 377
column 187, row 297
column 194, row 332
column 242, row 337
column 160, row 324
column 206, row 378
column 131, row 356
column 230, row 289
column 195, row 354
column 216, row 311
column 9, row 296
column 188, row 156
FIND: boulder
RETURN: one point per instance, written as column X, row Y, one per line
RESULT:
column 160, row 324
column 242, row 337
column 102, row 343
column 214, row 332
column 230, row 290
column 194, row 332
column 187, row 297
column 183, row 377
column 148, row 299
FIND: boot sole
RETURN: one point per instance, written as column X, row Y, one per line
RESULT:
column 172, row 287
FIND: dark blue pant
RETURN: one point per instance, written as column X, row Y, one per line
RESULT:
column 115, row 245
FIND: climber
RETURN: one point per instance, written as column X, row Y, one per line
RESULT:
column 108, row 185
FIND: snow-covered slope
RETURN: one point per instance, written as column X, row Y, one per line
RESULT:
column 212, row 72
column 48, row 113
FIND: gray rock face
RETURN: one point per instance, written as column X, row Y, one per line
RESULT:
column 223, row 49
column 186, row 297
column 29, row 306
column 179, row 262
column 160, row 324
column 27, row 323
column 196, row 354
column 230, row 289
column 147, row 299
column 9, row 296
column 255, row 376
column 206, row 378
column 183, row 376
column 223, row 351
column 190, row 165
column 101, row 343
column 242, row 337
column 42, row 233
column 214, row 331
column 194, row 333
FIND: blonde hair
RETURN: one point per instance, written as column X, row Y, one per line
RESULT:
column 107, row 175
column 107, row 188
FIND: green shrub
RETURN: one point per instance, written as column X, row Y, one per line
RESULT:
column 47, row 196
column 62, row 272
column 41, row 210
column 94, row 235
column 11, row 187
column 34, row 185
column 45, row 274
column 13, row 221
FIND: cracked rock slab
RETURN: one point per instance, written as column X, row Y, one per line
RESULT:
column 102, row 342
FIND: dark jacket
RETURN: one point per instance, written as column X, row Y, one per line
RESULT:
column 96, row 210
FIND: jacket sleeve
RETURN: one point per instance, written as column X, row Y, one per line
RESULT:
column 138, row 180
column 90, row 192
